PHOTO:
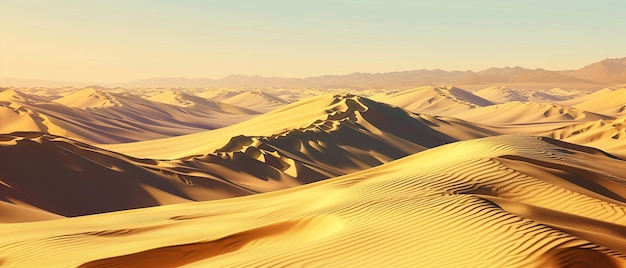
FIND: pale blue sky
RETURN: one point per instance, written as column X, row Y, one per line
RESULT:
column 117, row 40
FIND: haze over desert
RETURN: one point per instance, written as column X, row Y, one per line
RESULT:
column 309, row 134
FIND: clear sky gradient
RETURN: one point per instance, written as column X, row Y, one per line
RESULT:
column 125, row 40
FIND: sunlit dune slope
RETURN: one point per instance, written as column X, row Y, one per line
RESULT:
column 256, row 100
column 500, row 94
column 527, row 112
column 508, row 201
column 18, row 113
column 89, row 98
column 434, row 100
column 609, row 101
column 217, row 94
column 608, row 135
column 181, row 99
column 15, row 116
column 8, row 95
column 310, row 115
column 556, row 95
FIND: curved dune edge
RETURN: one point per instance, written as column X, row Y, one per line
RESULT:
column 470, row 203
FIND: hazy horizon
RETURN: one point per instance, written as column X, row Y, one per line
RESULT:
column 117, row 41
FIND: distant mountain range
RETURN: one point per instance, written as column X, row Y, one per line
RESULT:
column 607, row 72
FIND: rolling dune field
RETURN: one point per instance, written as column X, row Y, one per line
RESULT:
column 424, row 177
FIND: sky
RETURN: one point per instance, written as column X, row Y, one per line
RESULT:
column 123, row 40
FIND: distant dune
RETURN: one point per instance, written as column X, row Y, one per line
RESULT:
column 104, row 116
column 434, row 100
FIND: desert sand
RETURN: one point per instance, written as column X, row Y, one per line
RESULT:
column 433, row 176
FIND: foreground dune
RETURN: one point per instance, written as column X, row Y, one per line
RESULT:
column 508, row 201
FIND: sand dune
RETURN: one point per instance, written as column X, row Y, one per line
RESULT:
column 256, row 100
column 181, row 99
column 359, row 134
column 527, row 112
column 89, row 98
column 9, row 95
column 609, row 101
column 501, row 94
column 97, row 116
column 217, row 94
column 17, row 117
column 302, row 115
column 510, row 192
column 608, row 135
column 427, row 177
column 177, row 98
column 434, row 100
column 556, row 95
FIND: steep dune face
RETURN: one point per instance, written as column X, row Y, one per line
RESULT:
column 514, row 201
